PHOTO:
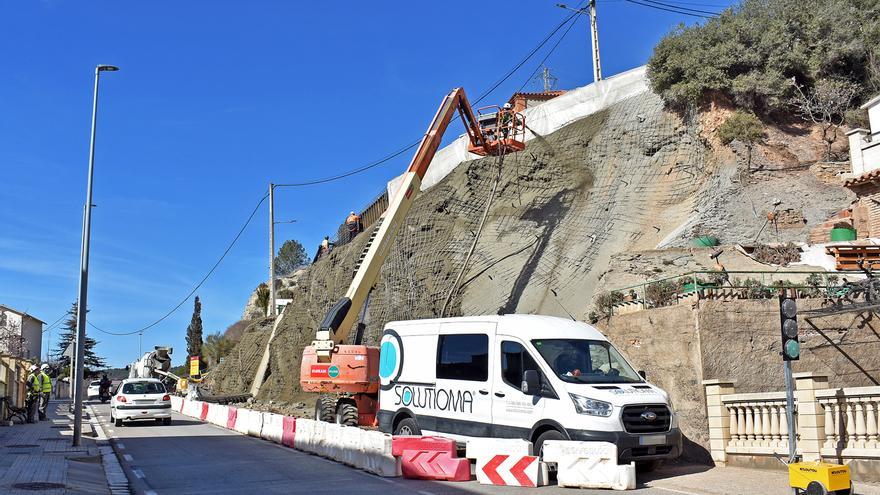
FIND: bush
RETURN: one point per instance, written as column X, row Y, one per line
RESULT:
column 744, row 127
column 842, row 225
column 662, row 292
column 605, row 302
column 754, row 289
column 750, row 53
column 777, row 255
column 285, row 294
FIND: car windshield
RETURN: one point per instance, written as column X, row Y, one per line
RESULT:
column 143, row 388
column 585, row 361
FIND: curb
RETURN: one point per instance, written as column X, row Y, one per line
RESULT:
column 117, row 480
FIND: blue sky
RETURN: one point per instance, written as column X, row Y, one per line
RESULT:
column 213, row 101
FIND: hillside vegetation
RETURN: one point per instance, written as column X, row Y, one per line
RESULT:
column 752, row 54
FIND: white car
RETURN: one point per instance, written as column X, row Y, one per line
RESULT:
column 141, row 398
column 94, row 390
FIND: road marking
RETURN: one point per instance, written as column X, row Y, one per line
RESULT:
column 120, row 445
column 674, row 490
column 127, row 457
column 138, row 473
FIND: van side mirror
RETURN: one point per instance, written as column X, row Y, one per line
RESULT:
column 643, row 374
column 530, row 385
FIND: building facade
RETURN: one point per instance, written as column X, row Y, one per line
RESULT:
column 21, row 334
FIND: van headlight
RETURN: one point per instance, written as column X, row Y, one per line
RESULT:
column 592, row 407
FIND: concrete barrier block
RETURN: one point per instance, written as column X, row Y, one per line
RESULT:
column 481, row 448
column 176, row 402
column 218, row 415
column 193, row 408
column 554, row 450
column 378, row 459
column 332, row 441
column 255, row 423
column 304, row 430
column 590, row 472
column 273, row 427
column 232, row 416
column 352, row 446
column 288, row 435
column 243, row 420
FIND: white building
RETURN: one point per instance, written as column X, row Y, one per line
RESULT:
column 14, row 325
column 864, row 144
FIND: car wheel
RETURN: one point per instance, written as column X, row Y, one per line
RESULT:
column 648, row 466
column 543, row 437
column 325, row 409
column 118, row 422
column 408, row 426
column 347, row 414
column 159, row 420
column 166, row 421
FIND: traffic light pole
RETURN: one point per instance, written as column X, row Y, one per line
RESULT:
column 789, row 413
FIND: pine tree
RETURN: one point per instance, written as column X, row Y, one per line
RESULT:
column 67, row 336
column 194, row 331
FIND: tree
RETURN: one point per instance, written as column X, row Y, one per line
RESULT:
column 194, row 331
column 291, row 256
column 744, row 127
column 263, row 298
column 67, row 337
column 11, row 340
column 825, row 105
column 216, row 347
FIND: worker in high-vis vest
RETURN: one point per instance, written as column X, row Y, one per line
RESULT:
column 32, row 399
column 45, row 390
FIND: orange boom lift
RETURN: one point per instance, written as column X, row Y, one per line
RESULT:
column 348, row 375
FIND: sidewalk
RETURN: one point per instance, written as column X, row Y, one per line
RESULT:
column 696, row 480
column 39, row 457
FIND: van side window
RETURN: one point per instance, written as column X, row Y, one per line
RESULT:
column 463, row 357
column 514, row 360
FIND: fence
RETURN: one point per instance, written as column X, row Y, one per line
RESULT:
column 369, row 216
column 839, row 424
column 673, row 290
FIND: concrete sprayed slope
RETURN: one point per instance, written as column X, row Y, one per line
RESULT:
column 618, row 179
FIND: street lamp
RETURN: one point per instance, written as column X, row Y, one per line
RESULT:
column 82, row 303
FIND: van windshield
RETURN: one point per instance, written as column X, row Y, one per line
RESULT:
column 585, row 361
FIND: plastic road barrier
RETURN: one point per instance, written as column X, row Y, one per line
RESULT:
column 288, row 431
column 434, row 465
column 400, row 443
column 231, row 417
column 203, row 414
column 481, row 448
column 303, row 439
column 273, row 427
column 589, row 465
column 218, row 415
column 509, row 470
column 378, row 458
column 241, row 421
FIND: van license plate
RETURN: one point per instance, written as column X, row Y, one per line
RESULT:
column 652, row 440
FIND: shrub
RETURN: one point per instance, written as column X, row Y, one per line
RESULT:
column 754, row 289
column 285, row 294
column 662, row 292
column 742, row 126
column 605, row 302
column 777, row 255
column 842, row 225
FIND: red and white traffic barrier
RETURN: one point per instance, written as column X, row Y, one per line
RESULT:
column 231, row 417
column 506, row 462
column 589, row 465
column 288, row 432
column 430, row 458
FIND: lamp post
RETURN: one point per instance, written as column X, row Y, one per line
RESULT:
column 82, row 300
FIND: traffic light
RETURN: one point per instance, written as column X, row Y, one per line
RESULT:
column 791, row 348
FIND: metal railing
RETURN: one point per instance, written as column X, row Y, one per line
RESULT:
column 755, row 284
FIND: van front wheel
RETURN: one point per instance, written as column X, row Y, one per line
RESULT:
column 543, row 437
column 407, row 426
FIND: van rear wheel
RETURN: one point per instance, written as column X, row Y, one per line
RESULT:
column 543, row 437
column 325, row 409
column 407, row 426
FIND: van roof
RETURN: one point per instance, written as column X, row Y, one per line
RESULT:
column 528, row 326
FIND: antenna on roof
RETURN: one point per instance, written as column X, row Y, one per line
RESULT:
column 547, row 79
column 556, row 298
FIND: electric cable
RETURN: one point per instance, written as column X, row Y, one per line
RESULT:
column 668, row 10
column 198, row 285
column 681, row 8
column 552, row 49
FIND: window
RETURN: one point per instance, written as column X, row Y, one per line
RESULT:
column 463, row 357
column 143, row 388
column 586, row 361
column 514, row 360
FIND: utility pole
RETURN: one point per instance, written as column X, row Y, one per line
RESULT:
column 82, row 300
column 271, row 311
column 594, row 36
column 594, row 39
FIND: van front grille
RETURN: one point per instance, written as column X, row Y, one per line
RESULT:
column 650, row 418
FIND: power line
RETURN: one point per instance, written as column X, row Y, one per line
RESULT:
column 532, row 75
column 354, row 171
column 52, row 325
column 681, row 8
column 668, row 10
column 202, row 281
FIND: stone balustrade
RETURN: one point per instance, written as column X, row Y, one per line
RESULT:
column 831, row 424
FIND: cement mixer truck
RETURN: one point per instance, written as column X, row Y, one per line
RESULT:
column 153, row 364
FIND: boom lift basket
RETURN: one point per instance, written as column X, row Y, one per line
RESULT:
column 503, row 131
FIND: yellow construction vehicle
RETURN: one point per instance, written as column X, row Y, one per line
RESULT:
column 351, row 372
column 819, row 478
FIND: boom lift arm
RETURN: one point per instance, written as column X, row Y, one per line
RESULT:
column 506, row 135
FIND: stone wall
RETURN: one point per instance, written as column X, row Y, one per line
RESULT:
column 739, row 340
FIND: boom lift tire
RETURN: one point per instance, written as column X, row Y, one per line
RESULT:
column 325, row 409
column 346, row 414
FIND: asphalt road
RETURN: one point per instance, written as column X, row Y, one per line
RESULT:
column 191, row 457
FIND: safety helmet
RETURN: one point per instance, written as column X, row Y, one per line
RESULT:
column 33, row 367
column 352, row 213
column 44, row 366
column 507, row 106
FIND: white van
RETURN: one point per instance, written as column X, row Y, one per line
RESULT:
column 520, row 376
